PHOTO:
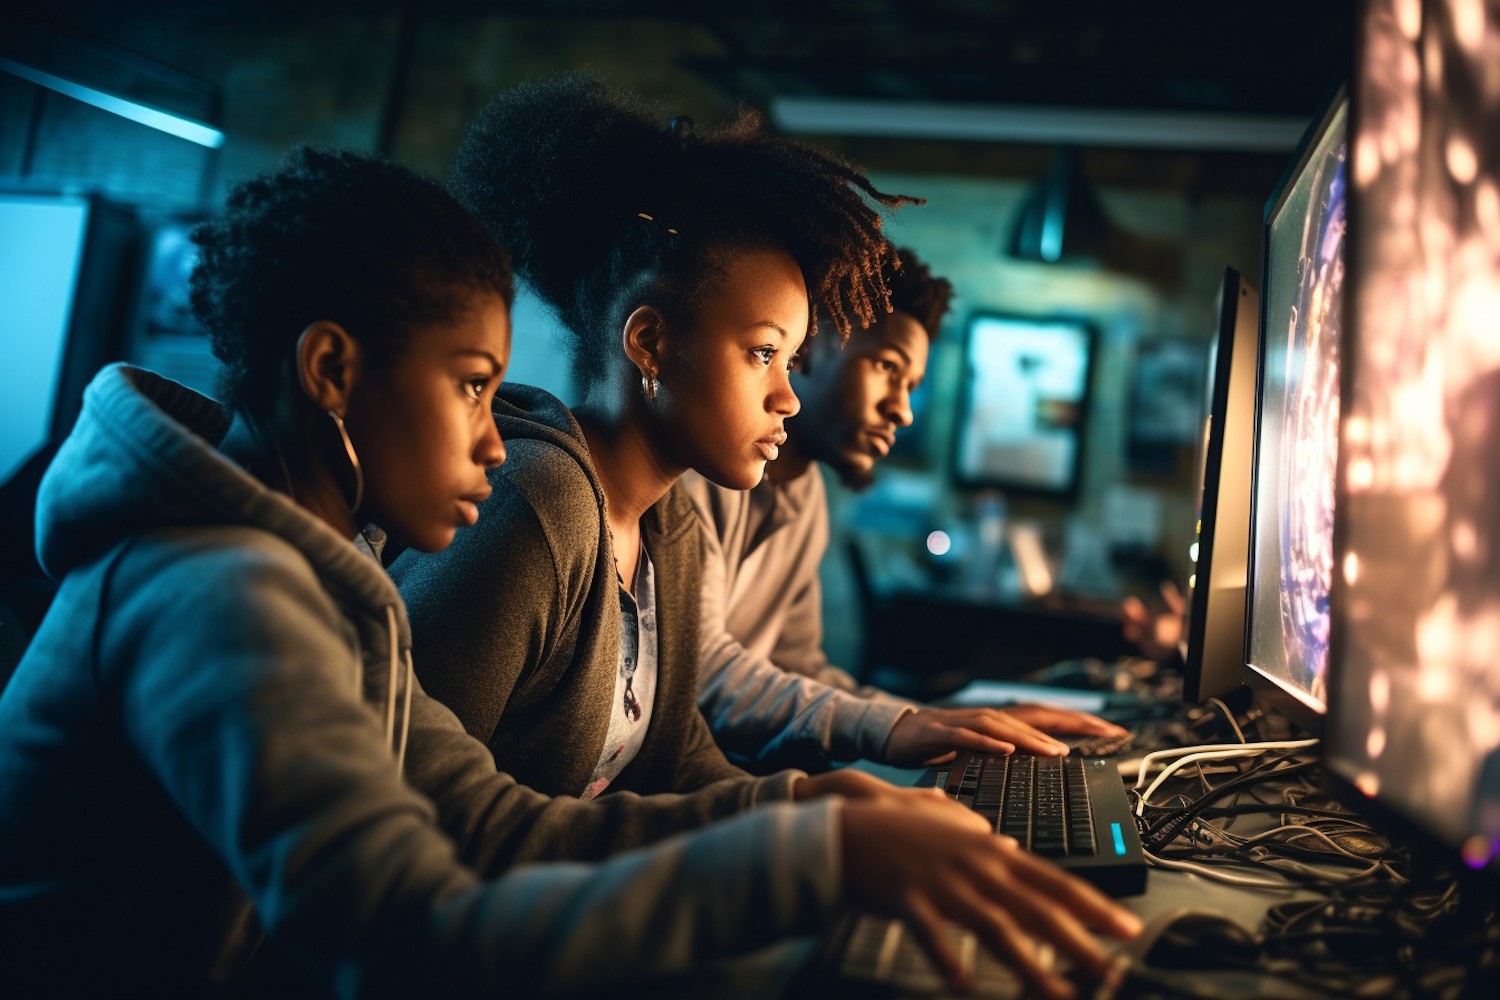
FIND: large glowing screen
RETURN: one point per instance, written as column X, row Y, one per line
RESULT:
column 1415, row 699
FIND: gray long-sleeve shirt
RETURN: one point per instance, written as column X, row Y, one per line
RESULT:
column 206, row 741
column 764, row 684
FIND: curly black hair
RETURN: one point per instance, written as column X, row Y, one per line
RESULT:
column 604, row 209
column 339, row 236
column 916, row 292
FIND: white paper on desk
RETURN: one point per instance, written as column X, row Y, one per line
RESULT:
column 978, row 694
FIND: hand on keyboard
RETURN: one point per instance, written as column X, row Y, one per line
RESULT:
column 934, row 735
column 1064, row 722
column 852, row 784
column 921, row 867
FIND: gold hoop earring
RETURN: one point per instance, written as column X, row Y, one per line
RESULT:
column 359, row 475
column 648, row 383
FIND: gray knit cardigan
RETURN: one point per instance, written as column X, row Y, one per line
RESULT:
column 516, row 625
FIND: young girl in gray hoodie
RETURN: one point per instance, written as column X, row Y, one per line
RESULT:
column 217, row 770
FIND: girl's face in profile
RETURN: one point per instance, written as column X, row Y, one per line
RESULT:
column 423, row 428
column 727, row 394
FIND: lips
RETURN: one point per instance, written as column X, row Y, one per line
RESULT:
column 770, row 445
column 881, row 440
column 468, row 505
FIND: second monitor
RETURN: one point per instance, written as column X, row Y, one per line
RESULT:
column 1214, row 652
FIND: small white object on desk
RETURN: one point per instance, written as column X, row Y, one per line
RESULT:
column 997, row 694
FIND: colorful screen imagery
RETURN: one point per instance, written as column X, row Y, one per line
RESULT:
column 1027, row 381
column 1416, row 676
column 1297, row 433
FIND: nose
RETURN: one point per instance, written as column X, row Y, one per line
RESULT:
column 783, row 400
column 896, row 406
column 490, row 450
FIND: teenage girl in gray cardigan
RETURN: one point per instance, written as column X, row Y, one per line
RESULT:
column 562, row 630
column 217, row 771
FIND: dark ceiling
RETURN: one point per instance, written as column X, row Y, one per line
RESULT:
column 1275, row 57
column 1271, row 56
column 1268, row 56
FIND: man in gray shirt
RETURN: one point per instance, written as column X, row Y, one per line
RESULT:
column 765, row 685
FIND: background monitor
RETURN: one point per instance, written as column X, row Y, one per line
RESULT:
column 164, row 337
column 1414, row 719
column 1215, row 635
column 41, row 248
column 64, row 270
column 1296, row 426
column 1025, row 393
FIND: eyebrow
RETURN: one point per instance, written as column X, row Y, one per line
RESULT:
column 898, row 349
column 769, row 324
column 474, row 352
column 904, row 356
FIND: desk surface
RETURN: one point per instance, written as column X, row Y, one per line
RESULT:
column 771, row 972
column 1165, row 890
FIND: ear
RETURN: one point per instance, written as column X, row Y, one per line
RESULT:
column 328, row 365
column 643, row 339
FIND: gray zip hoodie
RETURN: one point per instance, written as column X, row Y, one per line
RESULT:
column 205, row 744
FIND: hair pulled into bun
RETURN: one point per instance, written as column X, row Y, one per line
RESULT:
column 605, row 205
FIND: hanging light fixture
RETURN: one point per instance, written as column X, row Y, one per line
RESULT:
column 1061, row 219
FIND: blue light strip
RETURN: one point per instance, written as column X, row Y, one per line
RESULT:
column 1131, row 127
column 183, row 128
column 1114, row 828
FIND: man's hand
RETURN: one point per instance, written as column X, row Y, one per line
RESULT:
column 934, row 735
column 924, row 869
column 1156, row 634
column 1063, row 721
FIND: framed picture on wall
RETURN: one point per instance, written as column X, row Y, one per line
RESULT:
column 1023, row 403
column 1167, row 404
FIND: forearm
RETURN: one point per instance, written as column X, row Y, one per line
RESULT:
column 498, row 823
column 836, row 677
column 561, row 928
column 767, row 714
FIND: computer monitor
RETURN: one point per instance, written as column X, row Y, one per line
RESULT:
column 1214, row 654
column 165, row 338
column 1296, row 424
column 1023, row 404
column 64, row 265
column 1414, row 672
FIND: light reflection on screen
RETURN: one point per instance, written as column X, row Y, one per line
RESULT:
column 1417, row 668
column 1298, row 432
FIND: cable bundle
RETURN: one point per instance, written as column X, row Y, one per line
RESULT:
column 1381, row 925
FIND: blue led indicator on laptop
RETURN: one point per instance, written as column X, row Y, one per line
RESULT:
column 1119, row 838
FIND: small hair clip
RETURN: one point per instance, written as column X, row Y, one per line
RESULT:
column 652, row 218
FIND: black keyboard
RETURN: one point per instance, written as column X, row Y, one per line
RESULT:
column 1072, row 810
column 877, row 957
